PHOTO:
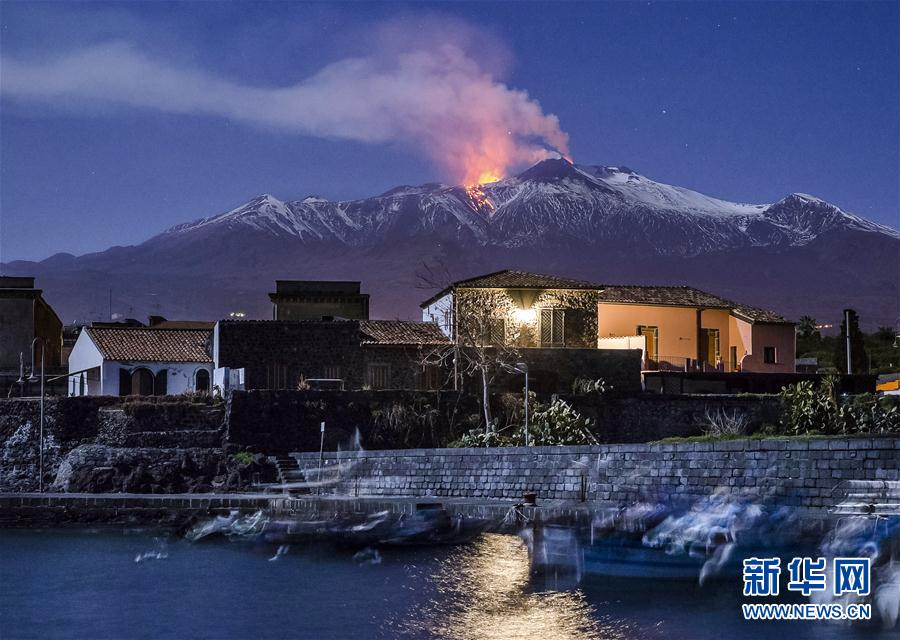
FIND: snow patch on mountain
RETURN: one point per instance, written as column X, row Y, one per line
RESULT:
column 553, row 201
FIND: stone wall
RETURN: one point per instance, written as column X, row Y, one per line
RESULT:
column 277, row 355
column 554, row 370
column 277, row 422
column 798, row 472
column 649, row 417
column 104, row 420
column 68, row 422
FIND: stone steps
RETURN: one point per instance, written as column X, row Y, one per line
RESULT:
column 289, row 471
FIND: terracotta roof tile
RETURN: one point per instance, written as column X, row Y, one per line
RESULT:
column 398, row 332
column 145, row 344
column 512, row 279
column 688, row 297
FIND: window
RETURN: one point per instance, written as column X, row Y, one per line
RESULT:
column 733, row 359
column 709, row 346
column 142, row 382
column 332, row 372
column 552, row 327
column 769, row 355
column 379, row 376
column 496, row 331
column 429, row 377
column 201, row 383
column 651, row 341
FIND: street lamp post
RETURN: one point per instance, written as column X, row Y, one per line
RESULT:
column 33, row 378
column 522, row 367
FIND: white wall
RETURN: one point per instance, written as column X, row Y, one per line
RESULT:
column 441, row 312
column 85, row 355
column 180, row 377
column 624, row 342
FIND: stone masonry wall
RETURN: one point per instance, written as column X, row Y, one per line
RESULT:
column 799, row 472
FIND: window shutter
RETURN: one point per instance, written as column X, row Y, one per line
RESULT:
column 546, row 327
column 161, row 383
column 124, row 382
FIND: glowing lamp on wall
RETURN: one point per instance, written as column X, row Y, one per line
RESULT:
column 525, row 316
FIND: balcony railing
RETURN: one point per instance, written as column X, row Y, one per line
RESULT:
column 692, row 365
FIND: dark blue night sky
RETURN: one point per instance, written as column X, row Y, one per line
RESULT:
column 743, row 101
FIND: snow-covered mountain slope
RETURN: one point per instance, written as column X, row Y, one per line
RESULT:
column 797, row 256
column 552, row 202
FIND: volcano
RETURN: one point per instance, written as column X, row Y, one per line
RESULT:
column 800, row 255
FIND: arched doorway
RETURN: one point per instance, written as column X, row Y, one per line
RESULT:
column 201, row 382
column 142, row 382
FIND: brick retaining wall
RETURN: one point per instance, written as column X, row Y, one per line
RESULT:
column 798, row 472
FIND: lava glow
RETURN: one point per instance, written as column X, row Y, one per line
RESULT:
column 479, row 197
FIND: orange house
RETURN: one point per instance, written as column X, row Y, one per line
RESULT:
column 687, row 329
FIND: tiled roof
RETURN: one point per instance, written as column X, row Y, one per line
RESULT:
column 687, row 297
column 625, row 294
column 764, row 316
column 145, row 344
column 184, row 324
column 398, row 332
column 511, row 279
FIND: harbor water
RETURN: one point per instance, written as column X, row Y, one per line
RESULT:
column 137, row 584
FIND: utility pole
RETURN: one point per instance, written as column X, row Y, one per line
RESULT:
column 321, row 451
column 847, row 336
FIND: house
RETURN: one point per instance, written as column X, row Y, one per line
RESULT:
column 24, row 316
column 315, row 299
column 517, row 308
column 134, row 360
column 550, row 322
column 688, row 329
column 289, row 354
column 676, row 328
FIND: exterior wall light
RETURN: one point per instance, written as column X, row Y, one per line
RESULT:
column 525, row 316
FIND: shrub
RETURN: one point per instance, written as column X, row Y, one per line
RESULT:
column 243, row 457
column 721, row 424
column 557, row 424
column 585, row 386
column 480, row 438
column 810, row 409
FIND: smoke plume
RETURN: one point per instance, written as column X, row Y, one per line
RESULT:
column 433, row 94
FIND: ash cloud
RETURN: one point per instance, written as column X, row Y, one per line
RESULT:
column 438, row 91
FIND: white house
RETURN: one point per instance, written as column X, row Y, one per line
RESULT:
column 121, row 361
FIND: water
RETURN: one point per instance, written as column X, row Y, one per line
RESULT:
column 113, row 584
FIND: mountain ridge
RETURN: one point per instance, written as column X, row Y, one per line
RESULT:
column 798, row 255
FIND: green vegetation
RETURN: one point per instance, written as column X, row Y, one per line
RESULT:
column 809, row 408
column 243, row 457
column 556, row 423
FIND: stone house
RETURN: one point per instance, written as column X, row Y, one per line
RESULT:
column 24, row 316
column 374, row 354
column 517, row 308
column 315, row 299
column 676, row 328
column 147, row 361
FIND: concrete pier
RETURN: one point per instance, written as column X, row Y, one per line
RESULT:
column 20, row 510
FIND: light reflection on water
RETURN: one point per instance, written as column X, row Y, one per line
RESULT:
column 484, row 593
